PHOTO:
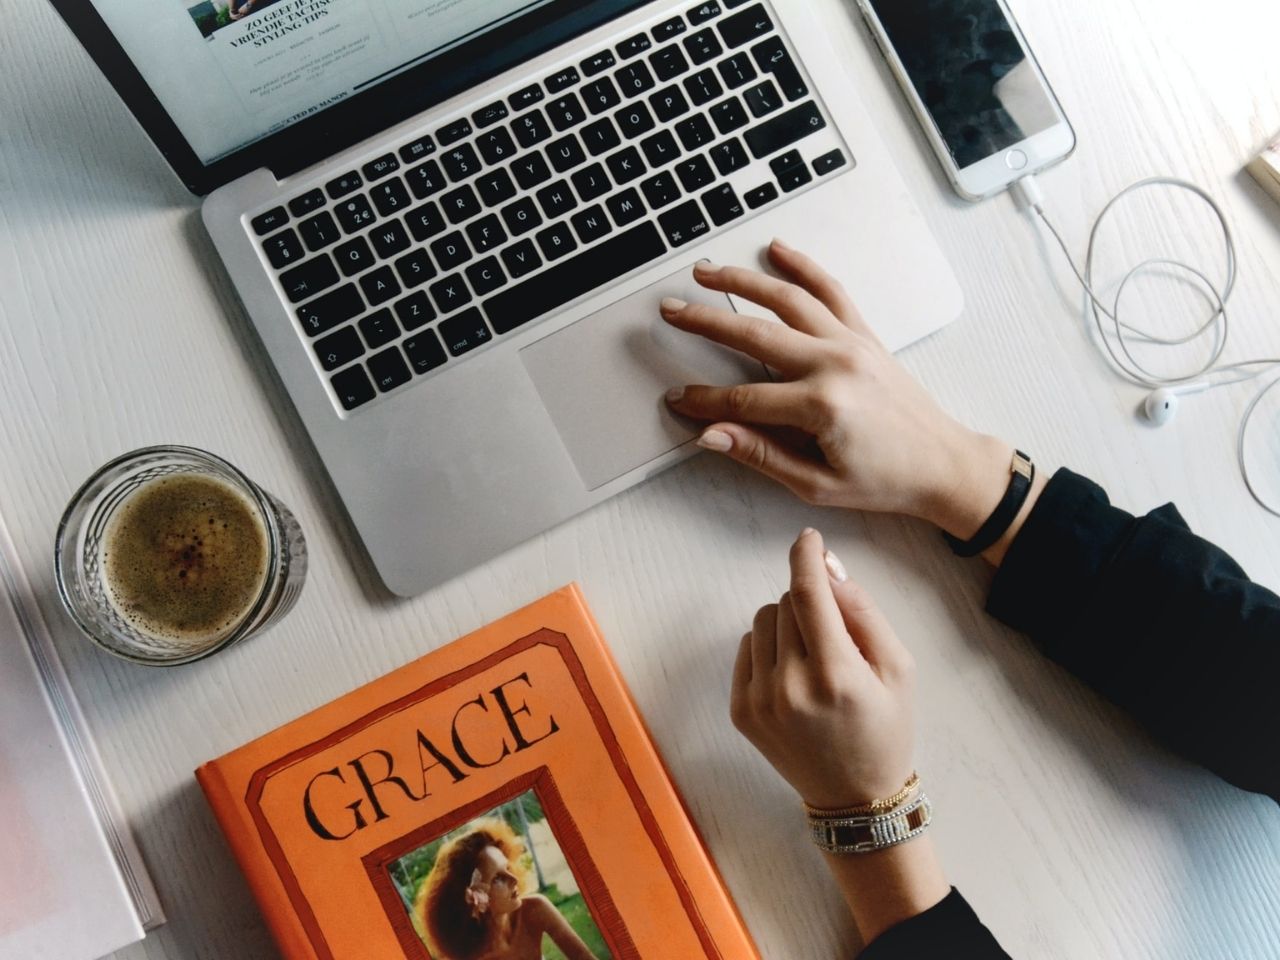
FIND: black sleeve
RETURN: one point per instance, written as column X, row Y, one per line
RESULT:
column 1159, row 621
column 950, row 929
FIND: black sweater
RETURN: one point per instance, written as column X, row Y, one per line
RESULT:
column 1159, row 621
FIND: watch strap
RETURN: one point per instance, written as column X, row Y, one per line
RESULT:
column 1022, row 474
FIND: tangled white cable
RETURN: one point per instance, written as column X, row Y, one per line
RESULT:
column 1162, row 403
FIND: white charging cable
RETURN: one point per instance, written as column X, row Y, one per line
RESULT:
column 1162, row 402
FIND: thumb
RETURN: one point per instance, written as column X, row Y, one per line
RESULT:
column 866, row 622
column 801, row 475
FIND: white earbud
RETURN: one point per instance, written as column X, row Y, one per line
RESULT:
column 1161, row 405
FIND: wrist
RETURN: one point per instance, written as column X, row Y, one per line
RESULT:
column 971, row 477
column 885, row 888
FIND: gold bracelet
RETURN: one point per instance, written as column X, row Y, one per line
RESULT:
column 874, row 807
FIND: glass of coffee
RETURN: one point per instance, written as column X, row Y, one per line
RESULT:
column 168, row 554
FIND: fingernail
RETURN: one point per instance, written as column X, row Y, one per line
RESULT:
column 706, row 267
column 675, row 394
column 806, row 531
column 780, row 244
column 834, row 567
column 672, row 305
column 716, row 440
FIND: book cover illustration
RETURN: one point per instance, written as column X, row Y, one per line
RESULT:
column 498, row 799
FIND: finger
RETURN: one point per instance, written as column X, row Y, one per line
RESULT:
column 810, row 480
column 865, row 621
column 805, row 271
column 819, row 618
column 774, row 344
column 764, row 641
column 790, row 642
column 777, row 404
column 741, row 679
column 796, row 306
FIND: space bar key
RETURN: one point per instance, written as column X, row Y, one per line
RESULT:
column 574, row 277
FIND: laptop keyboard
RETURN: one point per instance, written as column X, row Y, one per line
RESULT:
column 428, row 252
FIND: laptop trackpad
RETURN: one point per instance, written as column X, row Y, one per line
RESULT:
column 603, row 378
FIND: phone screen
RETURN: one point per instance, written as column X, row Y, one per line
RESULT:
column 972, row 73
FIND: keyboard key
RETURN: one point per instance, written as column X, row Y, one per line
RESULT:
column 765, row 193
column 454, row 132
column 318, row 231
column 668, row 29
column 354, row 256
column 660, row 190
column 566, row 153
column 415, row 311
column 634, row 46
column 703, row 87
column 307, row 279
column 486, row 233
column 566, row 112
column 694, row 173
column 273, row 219
column 695, row 132
column 496, row 146
column 660, row 149
column 524, row 98
column 283, row 249
column 704, row 12
column 722, row 204
column 390, row 197
column 729, row 115
column 460, row 162
column 595, row 267
column 791, row 170
column 309, row 201
column 339, row 348
column 531, row 170
column 521, row 216
column 379, row 286
column 495, row 187
column 634, row 120
column 591, row 182
column 625, row 165
column 591, row 224
column 828, row 162
column 521, row 258
column 425, row 221
column 488, row 116
column 379, row 329
column 451, row 251
column 556, row 199
column 729, row 156
column 745, row 26
column 413, row 152
column 327, row 311
column 703, row 46
column 683, row 224
column 389, row 239
column 424, row 351
column 354, row 214
column 772, row 57
column 626, row 207
column 531, row 128
column 668, row 104
column 352, row 387
column 600, row 95
column 341, row 186
column 601, row 61
column 450, row 293
column 668, row 62
column 460, row 205
column 562, row 80
column 486, row 276
column 737, row 71
column 464, row 332
column 600, row 136
column 415, row 268
column 385, row 164
column 784, row 129
column 634, row 79
column 556, row 241
column 389, row 369
column 425, row 179
column 762, row 99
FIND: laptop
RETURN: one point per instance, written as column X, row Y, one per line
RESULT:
column 451, row 223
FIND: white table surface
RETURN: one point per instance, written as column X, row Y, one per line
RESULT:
column 1071, row 832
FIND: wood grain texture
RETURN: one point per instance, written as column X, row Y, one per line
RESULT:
column 1071, row 832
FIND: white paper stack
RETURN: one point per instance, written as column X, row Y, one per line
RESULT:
column 72, row 882
column 1265, row 168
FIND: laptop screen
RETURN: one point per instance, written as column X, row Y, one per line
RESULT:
column 231, row 72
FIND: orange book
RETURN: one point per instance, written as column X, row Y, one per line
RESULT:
column 498, row 798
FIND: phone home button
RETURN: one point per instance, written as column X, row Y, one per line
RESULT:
column 1015, row 159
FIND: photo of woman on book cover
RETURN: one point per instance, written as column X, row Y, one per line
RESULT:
column 498, row 888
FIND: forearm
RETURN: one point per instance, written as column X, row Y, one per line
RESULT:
column 884, row 888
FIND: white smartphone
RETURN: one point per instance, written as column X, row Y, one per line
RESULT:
column 964, row 65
